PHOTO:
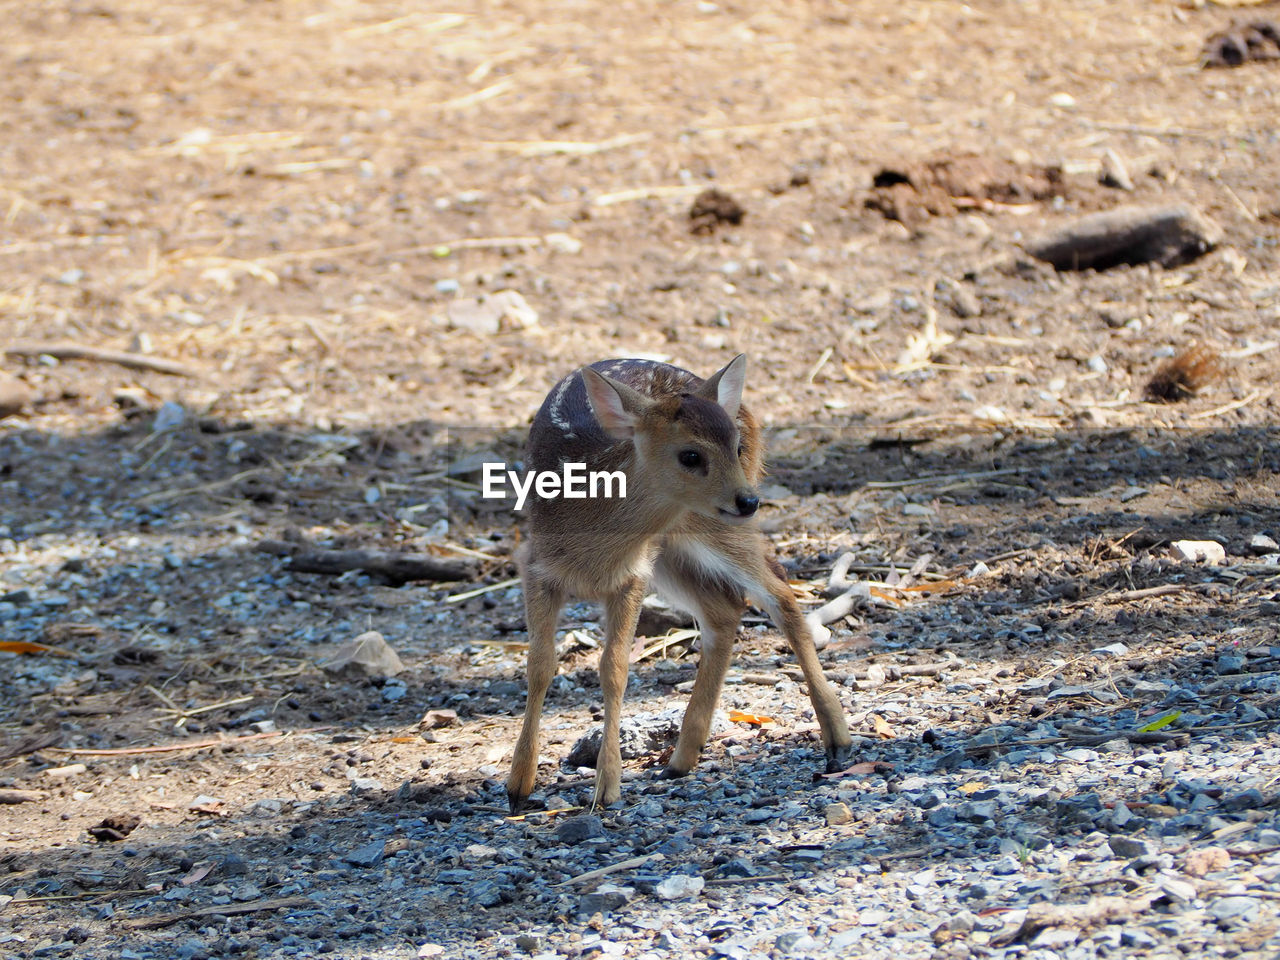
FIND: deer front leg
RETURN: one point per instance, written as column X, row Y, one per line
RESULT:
column 718, row 614
column 542, row 603
column 622, row 609
column 826, row 703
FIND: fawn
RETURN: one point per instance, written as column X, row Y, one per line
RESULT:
column 692, row 456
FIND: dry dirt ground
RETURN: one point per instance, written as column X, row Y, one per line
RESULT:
column 291, row 199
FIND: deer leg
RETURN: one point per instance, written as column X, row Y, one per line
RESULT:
column 622, row 609
column 542, row 603
column 826, row 704
column 718, row 609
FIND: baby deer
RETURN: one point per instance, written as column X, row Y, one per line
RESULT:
column 692, row 456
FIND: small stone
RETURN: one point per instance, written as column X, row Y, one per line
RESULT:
column 580, row 829
column 369, row 855
column 1251, row 799
column 837, row 814
column 492, row 313
column 1110, row 650
column 795, row 943
column 1006, row 866
column 1235, row 911
column 368, row 654
column 1261, row 544
column 366, row 786
column 563, row 243
column 448, row 286
column 1197, row 863
column 917, row 510
column 1229, row 663
column 1198, row 551
column 530, row 942
column 605, row 898
column 1128, row 847
column 170, row 416
column 245, row 892
column 1137, row 938
column 679, row 887
column 1114, row 173
column 1121, row 815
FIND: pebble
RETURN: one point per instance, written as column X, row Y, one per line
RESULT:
column 369, row 855
column 1198, row 551
column 1261, row 544
column 679, row 887
column 1130, row 847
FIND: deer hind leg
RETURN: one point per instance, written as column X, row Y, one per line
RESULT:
column 621, row 610
column 782, row 607
column 542, row 602
column 717, row 605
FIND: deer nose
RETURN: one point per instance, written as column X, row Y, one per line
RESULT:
column 746, row 502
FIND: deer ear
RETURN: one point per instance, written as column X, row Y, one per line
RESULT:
column 616, row 406
column 725, row 385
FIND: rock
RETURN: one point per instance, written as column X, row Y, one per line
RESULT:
column 1235, row 911
column 530, row 942
column 679, row 887
column 169, row 417
column 369, row 855
column 1137, row 938
column 1128, row 847
column 639, row 735
column 605, row 898
column 837, row 814
column 1111, row 650
column 1170, row 236
column 1251, row 799
column 1198, row 551
column 14, row 396
column 795, row 943
column 658, row 617
column 367, row 786
column 563, row 243
column 367, row 654
column 580, row 829
column 1261, row 544
column 486, row 315
column 1197, row 863
column 1114, row 173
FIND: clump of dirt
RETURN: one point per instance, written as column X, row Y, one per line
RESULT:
column 1242, row 43
column 712, row 208
column 1185, row 375
column 945, row 185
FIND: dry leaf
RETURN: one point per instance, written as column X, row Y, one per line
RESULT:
column 30, row 646
column 737, row 716
column 881, row 726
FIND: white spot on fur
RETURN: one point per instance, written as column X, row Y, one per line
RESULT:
column 715, row 565
column 556, row 410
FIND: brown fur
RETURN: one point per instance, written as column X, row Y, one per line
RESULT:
column 686, row 528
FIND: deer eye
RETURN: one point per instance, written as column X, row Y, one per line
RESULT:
column 689, row 458
column 739, row 451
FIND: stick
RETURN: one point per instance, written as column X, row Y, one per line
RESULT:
column 226, row 909
column 1170, row 236
column 75, row 351
column 8, row 795
column 396, row 567
column 1226, row 408
column 939, row 478
column 605, row 871
column 168, row 747
column 459, row 597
